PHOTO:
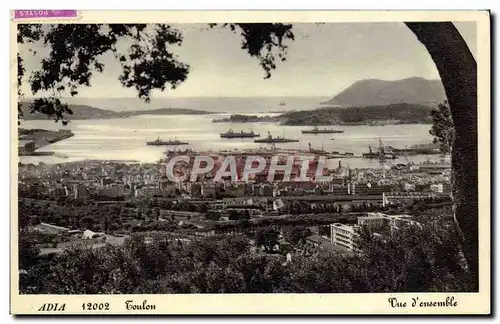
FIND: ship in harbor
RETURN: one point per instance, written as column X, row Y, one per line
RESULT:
column 418, row 149
column 159, row 142
column 232, row 134
column 383, row 152
column 316, row 130
column 339, row 155
column 279, row 139
column 316, row 151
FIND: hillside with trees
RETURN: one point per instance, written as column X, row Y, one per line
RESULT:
column 396, row 114
column 88, row 112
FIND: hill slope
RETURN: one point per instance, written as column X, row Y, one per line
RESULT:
column 384, row 114
column 380, row 92
column 88, row 112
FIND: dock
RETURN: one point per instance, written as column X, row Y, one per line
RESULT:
column 31, row 140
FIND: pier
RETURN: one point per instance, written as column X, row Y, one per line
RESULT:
column 31, row 140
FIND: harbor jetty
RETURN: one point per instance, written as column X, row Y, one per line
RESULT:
column 31, row 140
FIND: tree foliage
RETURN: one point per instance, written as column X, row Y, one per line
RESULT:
column 263, row 41
column 442, row 127
column 402, row 113
column 148, row 63
column 28, row 251
column 423, row 258
column 267, row 237
column 295, row 233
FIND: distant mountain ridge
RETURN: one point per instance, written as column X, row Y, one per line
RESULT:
column 374, row 92
column 88, row 112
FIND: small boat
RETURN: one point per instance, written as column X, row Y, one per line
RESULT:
column 282, row 104
column 316, row 130
column 159, row 142
column 232, row 134
column 279, row 139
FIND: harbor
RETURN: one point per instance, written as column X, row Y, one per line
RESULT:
column 305, row 158
column 125, row 139
column 31, row 140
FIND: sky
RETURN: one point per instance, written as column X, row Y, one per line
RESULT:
column 323, row 60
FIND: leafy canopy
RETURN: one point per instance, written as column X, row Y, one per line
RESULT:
column 75, row 53
column 442, row 127
column 412, row 259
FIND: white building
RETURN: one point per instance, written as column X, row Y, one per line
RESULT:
column 372, row 221
column 88, row 234
column 378, row 220
column 397, row 221
column 278, row 204
column 344, row 235
column 438, row 187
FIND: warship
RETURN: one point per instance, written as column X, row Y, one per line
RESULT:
column 383, row 152
column 232, row 134
column 316, row 130
column 279, row 139
column 159, row 142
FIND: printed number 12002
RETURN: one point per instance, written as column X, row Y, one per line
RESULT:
column 95, row 306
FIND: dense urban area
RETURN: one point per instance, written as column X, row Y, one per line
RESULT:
column 118, row 227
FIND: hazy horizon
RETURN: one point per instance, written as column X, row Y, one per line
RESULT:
column 210, row 104
column 208, row 96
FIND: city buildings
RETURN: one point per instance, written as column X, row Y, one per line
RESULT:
column 372, row 221
column 377, row 223
column 344, row 235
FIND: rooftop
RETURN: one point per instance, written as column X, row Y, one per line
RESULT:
column 371, row 217
column 344, row 227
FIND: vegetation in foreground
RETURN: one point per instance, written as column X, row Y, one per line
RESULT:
column 412, row 259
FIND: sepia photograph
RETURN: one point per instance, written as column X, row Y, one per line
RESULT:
column 272, row 154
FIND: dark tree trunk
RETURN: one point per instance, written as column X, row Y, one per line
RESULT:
column 458, row 72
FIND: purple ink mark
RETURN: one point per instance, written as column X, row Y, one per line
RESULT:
column 39, row 13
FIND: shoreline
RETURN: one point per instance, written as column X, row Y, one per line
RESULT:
column 30, row 140
column 158, row 162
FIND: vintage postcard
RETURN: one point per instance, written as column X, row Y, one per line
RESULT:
column 259, row 162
